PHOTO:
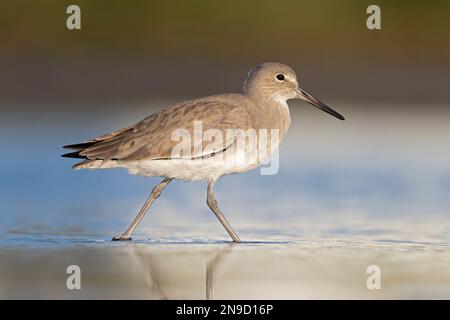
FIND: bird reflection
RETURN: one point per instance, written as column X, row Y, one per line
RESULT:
column 211, row 269
column 152, row 271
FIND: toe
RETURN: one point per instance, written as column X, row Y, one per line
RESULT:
column 121, row 238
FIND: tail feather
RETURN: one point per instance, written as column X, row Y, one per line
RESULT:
column 80, row 146
column 96, row 152
column 75, row 155
column 88, row 164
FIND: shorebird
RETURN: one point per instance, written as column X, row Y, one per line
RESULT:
column 147, row 147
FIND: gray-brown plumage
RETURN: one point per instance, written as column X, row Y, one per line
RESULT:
column 146, row 148
column 150, row 138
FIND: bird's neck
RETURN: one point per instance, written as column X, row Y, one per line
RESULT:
column 273, row 112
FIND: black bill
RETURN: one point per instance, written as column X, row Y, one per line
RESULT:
column 319, row 104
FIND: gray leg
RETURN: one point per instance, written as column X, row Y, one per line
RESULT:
column 212, row 204
column 153, row 196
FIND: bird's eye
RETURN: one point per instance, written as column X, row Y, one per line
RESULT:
column 280, row 77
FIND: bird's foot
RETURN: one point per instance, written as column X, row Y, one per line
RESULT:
column 121, row 238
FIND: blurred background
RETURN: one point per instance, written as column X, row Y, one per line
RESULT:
column 151, row 49
column 129, row 60
column 383, row 175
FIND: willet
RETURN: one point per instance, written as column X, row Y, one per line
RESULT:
column 147, row 148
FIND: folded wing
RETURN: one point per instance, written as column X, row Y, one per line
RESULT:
column 151, row 138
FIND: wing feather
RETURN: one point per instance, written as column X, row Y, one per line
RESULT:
column 151, row 138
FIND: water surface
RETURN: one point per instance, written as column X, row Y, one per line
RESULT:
column 373, row 190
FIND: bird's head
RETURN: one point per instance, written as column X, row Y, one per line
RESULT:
column 277, row 81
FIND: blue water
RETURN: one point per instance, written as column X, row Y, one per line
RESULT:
column 346, row 197
column 344, row 183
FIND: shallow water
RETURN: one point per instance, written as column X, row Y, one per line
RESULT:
column 35, row 267
column 373, row 190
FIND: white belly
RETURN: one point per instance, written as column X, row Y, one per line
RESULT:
column 198, row 169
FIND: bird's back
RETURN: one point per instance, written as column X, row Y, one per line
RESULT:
column 151, row 138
